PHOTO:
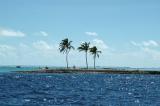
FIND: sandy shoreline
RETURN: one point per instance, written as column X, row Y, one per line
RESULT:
column 106, row 71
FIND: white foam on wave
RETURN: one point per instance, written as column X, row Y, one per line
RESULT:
column 44, row 99
column 129, row 93
column 27, row 100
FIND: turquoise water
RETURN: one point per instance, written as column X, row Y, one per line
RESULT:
column 13, row 68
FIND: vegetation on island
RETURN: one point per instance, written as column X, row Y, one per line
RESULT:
column 65, row 46
column 85, row 47
column 95, row 52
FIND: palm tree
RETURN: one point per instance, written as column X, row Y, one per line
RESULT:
column 65, row 47
column 85, row 47
column 94, row 51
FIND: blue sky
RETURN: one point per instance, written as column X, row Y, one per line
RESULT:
column 127, row 31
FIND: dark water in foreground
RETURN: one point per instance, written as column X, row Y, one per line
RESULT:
column 79, row 90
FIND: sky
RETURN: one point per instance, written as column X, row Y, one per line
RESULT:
column 126, row 31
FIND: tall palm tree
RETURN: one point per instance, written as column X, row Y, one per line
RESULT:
column 65, row 47
column 85, row 47
column 94, row 51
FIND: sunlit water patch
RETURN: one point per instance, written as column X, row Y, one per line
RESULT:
column 79, row 90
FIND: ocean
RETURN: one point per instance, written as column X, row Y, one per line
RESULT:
column 6, row 69
column 78, row 89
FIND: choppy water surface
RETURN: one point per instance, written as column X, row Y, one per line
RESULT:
column 79, row 90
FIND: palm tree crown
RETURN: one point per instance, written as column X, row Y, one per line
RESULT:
column 84, row 47
column 94, row 51
column 65, row 47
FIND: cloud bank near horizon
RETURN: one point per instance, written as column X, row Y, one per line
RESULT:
column 41, row 52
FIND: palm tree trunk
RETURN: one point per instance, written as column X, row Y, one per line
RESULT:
column 86, row 61
column 94, row 62
column 67, row 59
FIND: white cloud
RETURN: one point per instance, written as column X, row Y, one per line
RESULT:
column 148, row 48
column 155, row 54
column 43, row 33
column 135, row 44
column 36, row 53
column 100, row 44
column 22, row 45
column 150, row 43
column 6, row 50
column 43, row 52
column 42, row 45
column 11, row 33
column 6, row 47
column 91, row 33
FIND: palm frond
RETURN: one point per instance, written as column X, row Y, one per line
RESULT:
column 84, row 47
column 65, row 45
column 94, row 51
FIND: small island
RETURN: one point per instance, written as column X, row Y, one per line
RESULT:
column 65, row 47
column 104, row 71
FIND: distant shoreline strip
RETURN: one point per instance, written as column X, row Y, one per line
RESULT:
column 105, row 71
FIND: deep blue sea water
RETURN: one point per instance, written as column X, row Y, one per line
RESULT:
column 79, row 90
